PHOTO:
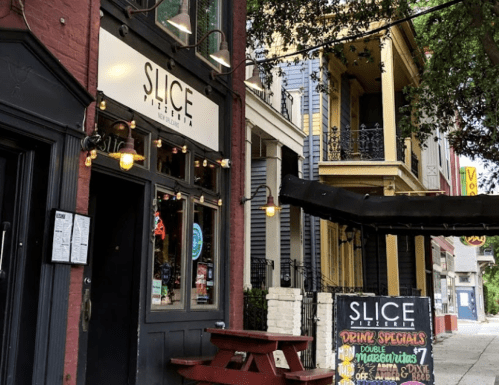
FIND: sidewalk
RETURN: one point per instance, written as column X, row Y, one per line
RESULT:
column 470, row 356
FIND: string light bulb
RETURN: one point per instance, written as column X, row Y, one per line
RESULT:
column 174, row 150
column 133, row 124
column 196, row 163
column 88, row 160
column 201, row 199
column 166, row 197
column 220, row 202
column 178, row 195
column 102, row 104
column 184, row 149
column 158, row 142
column 205, row 162
column 93, row 153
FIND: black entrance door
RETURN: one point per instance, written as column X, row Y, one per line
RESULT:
column 23, row 201
column 109, row 342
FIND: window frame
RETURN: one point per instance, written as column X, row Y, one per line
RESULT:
column 183, row 288
column 216, row 254
column 169, row 32
column 217, row 67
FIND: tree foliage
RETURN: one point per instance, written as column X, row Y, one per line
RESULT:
column 491, row 280
column 459, row 89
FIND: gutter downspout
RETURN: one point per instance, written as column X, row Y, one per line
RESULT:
column 313, row 263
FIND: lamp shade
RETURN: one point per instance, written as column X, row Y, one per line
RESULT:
column 182, row 21
column 270, row 208
column 222, row 56
column 255, row 82
column 127, row 155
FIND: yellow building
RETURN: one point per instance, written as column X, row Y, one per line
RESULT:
column 357, row 145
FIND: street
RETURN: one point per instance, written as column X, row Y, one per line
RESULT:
column 470, row 356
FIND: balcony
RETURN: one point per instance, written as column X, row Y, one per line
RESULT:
column 485, row 256
column 366, row 144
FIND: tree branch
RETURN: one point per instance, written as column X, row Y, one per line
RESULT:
column 489, row 45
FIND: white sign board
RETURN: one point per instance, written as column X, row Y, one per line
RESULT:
column 61, row 240
column 71, row 237
column 463, row 298
column 79, row 244
column 132, row 79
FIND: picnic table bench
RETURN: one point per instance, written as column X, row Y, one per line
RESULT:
column 257, row 366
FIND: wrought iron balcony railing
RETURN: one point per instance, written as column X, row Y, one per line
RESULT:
column 364, row 144
column 286, row 104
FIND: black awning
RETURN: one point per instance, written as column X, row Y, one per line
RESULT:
column 415, row 215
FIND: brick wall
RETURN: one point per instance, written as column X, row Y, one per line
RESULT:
column 324, row 341
column 238, row 145
column 284, row 315
column 439, row 325
column 450, row 323
column 70, row 31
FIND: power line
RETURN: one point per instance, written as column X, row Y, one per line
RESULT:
column 363, row 34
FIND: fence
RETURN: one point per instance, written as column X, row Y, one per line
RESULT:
column 255, row 310
column 261, row 273
column 309, row 328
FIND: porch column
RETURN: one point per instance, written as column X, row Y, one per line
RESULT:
column 273, row 224
column 388, row 94
column 408, row 153
column 392, row 260
column 296, row 227
column 247, row 210
column 420, row 264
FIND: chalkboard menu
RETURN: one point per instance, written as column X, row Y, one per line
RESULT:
column 383, row 340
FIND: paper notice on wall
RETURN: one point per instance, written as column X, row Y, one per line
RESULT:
column 156, row 292
column 463, row 299
column 79, row 246
column 63, row 226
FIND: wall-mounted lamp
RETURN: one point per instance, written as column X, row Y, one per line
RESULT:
column 224, row 163
column 349, row 233
column 222, row 56
column 89, row 144
column 254, row 82
column 270, row 208
column 182, row 21
column 127, row 154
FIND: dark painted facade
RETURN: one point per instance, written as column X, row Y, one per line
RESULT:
column 148, row 290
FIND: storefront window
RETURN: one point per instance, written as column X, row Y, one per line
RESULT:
column 114, row 137
column 205, row 174
column 171, row 161
column 167, row 283
column 166, row 10
column 204, row 260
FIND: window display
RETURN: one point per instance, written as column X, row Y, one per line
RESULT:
column 167, row 282
column 171, row 161
column 204, row 262
column 205, row 174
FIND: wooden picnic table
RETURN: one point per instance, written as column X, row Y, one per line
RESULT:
column 258, row 366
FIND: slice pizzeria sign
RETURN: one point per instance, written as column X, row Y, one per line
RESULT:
column 383, row 341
